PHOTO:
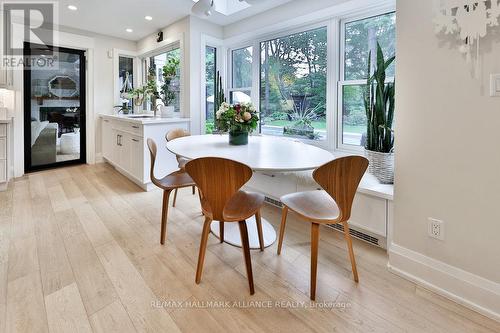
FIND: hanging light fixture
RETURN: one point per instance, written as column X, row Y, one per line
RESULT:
column 203, row 8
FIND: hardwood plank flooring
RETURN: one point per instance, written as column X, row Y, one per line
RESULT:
column 79, row 251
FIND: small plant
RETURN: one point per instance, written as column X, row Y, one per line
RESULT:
column 379, row 106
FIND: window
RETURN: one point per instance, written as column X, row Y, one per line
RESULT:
column 359, row 38
column 126, row 77
column 241, row 76
column 293, row 79
column 155, row 65
column 210, row 77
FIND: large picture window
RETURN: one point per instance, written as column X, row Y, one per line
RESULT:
column 293, row 79
column 359, row 38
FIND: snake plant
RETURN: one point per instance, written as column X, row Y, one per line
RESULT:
column 379, row 106
column 219, row 97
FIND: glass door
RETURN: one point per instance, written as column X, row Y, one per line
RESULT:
column 54, row 107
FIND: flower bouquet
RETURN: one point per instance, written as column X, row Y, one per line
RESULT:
column 238, row 120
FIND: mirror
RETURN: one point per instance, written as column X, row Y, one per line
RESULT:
column 63, row 86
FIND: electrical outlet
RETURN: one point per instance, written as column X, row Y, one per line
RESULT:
column 436, row 228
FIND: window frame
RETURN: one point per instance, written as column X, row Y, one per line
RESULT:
column 229, row 83
column 145, row 63
column 335, row 66
column 341, row 83
column 330, row 25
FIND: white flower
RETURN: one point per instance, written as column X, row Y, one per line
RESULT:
column 219, row 113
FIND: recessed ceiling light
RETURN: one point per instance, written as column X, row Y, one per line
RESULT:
column 71, row 7
column 149, row 18
column 129, row 30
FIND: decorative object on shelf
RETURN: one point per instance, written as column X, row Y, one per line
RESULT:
column 219, row 96
column 469, row 19
column 379, row 107
column 63, row 86
column 167, row 92
column 238, row 120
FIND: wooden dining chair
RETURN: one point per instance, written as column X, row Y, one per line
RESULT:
column 220, row 181
column 175, row 180
column 181, row 161
column 339, row 179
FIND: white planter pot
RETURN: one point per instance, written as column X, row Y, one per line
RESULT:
column 381, row 166
column 167, row 111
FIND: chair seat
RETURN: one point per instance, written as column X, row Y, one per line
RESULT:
column 317, row 206
column 242, row 206
column 176, row 179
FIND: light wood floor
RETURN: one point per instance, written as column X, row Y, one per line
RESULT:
column 79, row 252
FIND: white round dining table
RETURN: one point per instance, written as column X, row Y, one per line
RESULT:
column 262, row 153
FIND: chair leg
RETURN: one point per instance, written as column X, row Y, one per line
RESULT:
column 175, row 197
column 258, row 222
column 194, row 190
column 203, row 248
column 284, row 214
column 246, row 254
column 221, row 231
column 164, row 216
column 314, row 258
column 348, row 239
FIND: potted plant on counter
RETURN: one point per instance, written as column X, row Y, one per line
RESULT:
column 167, row 92
column 379, row 107
column 238, row 120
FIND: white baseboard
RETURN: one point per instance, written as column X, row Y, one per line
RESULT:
column 470, row 290
column 99, row 158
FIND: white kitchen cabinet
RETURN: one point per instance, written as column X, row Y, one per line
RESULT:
column 5, row 153
column 6, row 78
column 108, row 145
column 124, row 145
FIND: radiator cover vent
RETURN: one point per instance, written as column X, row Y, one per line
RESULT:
column 358, row 234
column 354, row 233
column 274, row 202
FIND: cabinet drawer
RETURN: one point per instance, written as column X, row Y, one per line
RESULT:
column 3, row 130
column 128, row 127
column 3, row 171
column 3, row 148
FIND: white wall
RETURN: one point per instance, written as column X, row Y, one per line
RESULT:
column 104, row 98
column 447, row 163
column 197, row 28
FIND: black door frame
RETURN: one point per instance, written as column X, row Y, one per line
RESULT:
column 28, row 48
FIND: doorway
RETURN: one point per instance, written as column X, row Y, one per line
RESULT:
column 54, row 107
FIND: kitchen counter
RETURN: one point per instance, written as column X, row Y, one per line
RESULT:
column 124, row 145
column 145, row 119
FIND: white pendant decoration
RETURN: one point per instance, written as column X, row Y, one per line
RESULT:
column 469, row 19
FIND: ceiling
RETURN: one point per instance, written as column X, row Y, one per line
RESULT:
column 113, row 17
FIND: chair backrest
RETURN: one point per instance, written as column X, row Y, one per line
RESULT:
column 218, row 179
column 176, row 133
column 340, row 178
column 152, row 152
